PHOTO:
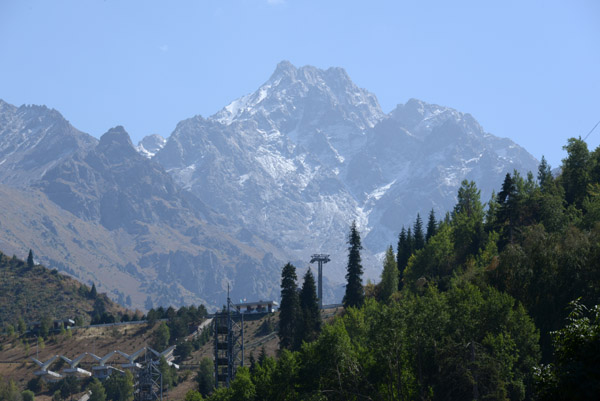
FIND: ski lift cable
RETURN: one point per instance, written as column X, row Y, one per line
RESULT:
column 592, row 130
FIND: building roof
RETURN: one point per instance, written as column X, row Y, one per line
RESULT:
column 258, row 303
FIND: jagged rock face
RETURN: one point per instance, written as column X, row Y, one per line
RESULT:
column 309, row 152
column 105, row 213
column 116, row 186
column 32, row 140
column 430, row 150
column 276, row 175
column 151, row 144
column 321, row 110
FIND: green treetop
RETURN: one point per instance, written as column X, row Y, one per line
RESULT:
column 389, row 275
column 289, row 308
column 355, row 293
column 309, row 306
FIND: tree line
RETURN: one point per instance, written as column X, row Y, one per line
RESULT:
column 497, row 300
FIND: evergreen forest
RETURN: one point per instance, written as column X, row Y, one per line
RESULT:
column 496, row 300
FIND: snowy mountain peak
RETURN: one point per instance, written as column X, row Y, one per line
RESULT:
column 284, row 68
column 309, row 151
column 311, row 107
column 6, row 106
column 422, row 118
column 150, row 144
column 32, row 140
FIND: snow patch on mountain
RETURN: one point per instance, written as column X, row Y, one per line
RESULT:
column 379, row 192
column 150, row 144
column 309, row 152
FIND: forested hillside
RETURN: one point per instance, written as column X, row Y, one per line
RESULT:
column 30, row 292
column 496, row 301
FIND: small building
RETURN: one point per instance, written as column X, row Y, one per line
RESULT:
column 257, row 307
column 56, row 325
column 63, row 323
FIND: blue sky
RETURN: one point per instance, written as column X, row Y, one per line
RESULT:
column 527, row 70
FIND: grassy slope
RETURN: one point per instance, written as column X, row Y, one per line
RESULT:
column 32, row 293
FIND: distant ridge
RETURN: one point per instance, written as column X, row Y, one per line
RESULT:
column 275, row 176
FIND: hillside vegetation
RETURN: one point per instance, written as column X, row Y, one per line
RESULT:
column 32, row 292
column 495, row 301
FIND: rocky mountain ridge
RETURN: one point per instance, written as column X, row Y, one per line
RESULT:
column 308, row 152
column 108, row 215
column 274, row 176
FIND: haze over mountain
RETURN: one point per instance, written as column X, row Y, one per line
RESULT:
column 308, row 152
column 108, row 215
column 276, row 175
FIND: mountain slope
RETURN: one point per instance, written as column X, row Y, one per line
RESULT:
column 32, row 140
column 109, row 215
column 423, row 152
column 32, row 293
column 276, row 175
column 309, row 151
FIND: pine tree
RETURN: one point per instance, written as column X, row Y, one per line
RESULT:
column 508, row 209
column 401, row 257
column 206, row 376
column 544, row 174
column 431, row 226
column 309, row 305
column 30, row 259
column 97, row 389
column 252, row 362
column 389, row 275
column 418, row 235
column 262, row 356
column 406, row 248
column 161, row 337
column 120, row 387
column 289, row 308
column 467, row 221
column 575, row 172
column 410, row 242
column 355, row 293
column 93, row 292
column 469, row 201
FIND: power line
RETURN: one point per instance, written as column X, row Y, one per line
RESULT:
column 591, row 130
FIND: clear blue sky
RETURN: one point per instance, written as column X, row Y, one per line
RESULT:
column 528, row 70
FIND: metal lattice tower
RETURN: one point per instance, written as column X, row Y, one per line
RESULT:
column 320, row 258
column 148, row 386
column 228, row 342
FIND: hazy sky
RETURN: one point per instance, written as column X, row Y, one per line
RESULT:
column 528, row 70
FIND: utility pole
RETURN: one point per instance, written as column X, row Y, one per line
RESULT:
column 320, row 258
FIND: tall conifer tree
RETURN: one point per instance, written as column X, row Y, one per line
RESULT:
column 289, row 308
column 389, row 275
column 431, row 226
column 575, row 172
column 467, row 221
column 410, row 242
column 93, row 292
column 401, row 257
column 309, row 305
column 544, row 174
column 508, row 200
column 418, row 235
column 30, row 259
column 355, row 293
